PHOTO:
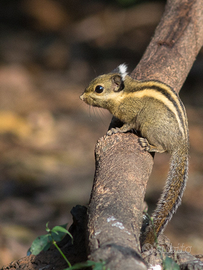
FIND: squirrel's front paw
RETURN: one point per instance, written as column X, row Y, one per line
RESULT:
column 122, row 129
column 113, row 131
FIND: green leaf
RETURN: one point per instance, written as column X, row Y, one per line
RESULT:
column 60, row 229
column 42, row 242
column 47, row 228
column 58, row 232
column 170, row 264
column 57, row 237
column 63, row 226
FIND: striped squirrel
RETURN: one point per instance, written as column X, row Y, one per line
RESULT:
column 156, row 111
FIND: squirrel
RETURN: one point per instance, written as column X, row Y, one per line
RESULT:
column 155, row 110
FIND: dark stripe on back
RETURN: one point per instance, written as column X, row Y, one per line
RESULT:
column 169, row 97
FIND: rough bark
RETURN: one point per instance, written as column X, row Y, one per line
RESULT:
column 115, row 210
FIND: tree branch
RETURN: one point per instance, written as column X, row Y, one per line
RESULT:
column 175, row 45
column 115, row 210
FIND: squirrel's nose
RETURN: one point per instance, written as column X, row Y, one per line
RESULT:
column 81, row 97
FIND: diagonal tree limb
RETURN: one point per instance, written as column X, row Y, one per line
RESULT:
column 175, row 45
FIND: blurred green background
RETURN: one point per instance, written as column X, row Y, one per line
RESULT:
column 49, row 51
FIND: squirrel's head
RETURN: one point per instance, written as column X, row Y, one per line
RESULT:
column 105, row 88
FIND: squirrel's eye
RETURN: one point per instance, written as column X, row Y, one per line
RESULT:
column 99, row 89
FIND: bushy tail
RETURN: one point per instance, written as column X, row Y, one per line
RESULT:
column 172, row 193
column 173, row 190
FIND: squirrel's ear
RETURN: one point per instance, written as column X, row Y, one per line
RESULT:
column 122, row 70
column 118, row 83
